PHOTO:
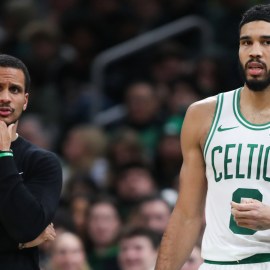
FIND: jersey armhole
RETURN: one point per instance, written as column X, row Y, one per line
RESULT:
column 215, row 120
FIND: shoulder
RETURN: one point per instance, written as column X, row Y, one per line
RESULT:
column 202, row 111
column 199, row 118
column 44, row 162
column 42, row 156
column 33, row 153
column 203, row 107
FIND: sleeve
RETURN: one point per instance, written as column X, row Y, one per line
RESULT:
column 28, row 206
column 6, row 242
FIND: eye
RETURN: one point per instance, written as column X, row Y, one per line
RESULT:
column 14, row 89
column 245, row 42
column 266, row 42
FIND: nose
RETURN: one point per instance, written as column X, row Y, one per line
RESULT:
column 256, row 50
column 4, row 96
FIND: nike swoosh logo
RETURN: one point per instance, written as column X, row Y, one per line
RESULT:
column 220, row 128
column 20, row 172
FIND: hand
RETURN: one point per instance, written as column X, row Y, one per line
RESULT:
column 48, row 234
column 6, row 134
column 251, row 214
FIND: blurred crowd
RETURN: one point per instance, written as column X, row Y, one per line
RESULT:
column 120, row 163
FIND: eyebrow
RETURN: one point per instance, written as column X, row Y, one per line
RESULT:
column 17, row 85
column 248, row 37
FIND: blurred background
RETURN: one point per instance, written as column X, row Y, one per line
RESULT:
column 111, row 82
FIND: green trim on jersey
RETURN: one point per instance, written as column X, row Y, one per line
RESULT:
column 240, row 117
column 257, row 258
column 213, row 127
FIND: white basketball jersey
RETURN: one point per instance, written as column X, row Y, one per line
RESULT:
column 237, row 156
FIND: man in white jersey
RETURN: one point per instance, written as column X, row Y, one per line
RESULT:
column 226, row 170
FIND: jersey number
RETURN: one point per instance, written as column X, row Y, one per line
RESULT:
column 237, row 196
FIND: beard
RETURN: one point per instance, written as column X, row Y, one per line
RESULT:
column 253, row 84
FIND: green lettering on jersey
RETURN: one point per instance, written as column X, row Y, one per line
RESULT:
column 219, row 149
column 238, row 161
column 259, row 163
column 252, row 147
column 227, row 160
column 265, row 177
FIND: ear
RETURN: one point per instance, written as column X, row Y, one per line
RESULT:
column 25, row 101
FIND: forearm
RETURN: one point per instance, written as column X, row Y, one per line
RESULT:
column 27, row 205
column 48, row 234
column 177, row 242
column 6, row 242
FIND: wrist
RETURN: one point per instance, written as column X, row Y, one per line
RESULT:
column 6, row 153
column 21, row 246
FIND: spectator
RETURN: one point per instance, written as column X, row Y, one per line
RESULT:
column 168, row 157
column 131, row 183
column 153, row 212
column 194, row 261
column 83, row 152
column 79, row 205
column 32, row 128
column 79, row 184
column 182, row 94
column 224, row 16
column 103, row 227
column 143, row 114
column 15, row 14
column 41, row 42
column 138, row 249
column 124, row 147
column 210, row 74
column 68, row 253
column 62, row 222
column 169, row 62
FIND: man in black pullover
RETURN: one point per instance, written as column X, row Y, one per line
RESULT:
column 30, row 177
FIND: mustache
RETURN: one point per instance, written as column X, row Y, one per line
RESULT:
column 6, row 107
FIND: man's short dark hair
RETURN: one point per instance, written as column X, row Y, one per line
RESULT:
column 256, row 13
column 153, row 198
column 8, row 61
column 121, row 170
column 153, row 236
